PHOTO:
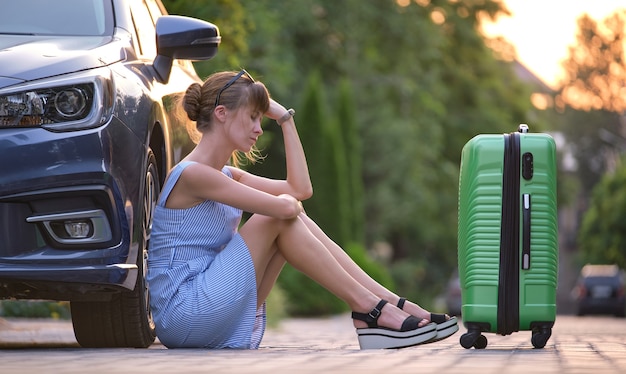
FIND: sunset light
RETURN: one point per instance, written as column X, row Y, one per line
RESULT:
column 541, row 31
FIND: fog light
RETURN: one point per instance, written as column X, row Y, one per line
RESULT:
column 78, row 229
column 72, row 229
column 84, row 227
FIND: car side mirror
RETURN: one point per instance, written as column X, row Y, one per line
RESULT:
column 179, row 37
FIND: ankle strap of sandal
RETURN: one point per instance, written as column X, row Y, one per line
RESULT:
column 370, row 318
column 401, row 303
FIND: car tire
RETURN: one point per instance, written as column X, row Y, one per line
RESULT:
column 125, row 320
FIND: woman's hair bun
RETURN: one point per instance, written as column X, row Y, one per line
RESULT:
column 191, row 101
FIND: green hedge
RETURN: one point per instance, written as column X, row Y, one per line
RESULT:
column 35, row 309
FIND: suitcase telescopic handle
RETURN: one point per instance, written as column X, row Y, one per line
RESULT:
column 526, row 232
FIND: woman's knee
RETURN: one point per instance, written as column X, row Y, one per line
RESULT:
column 264, row 222
column 271, row 223
column 260, row 230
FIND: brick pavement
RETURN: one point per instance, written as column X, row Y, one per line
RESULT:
column 578, row 345
column 329, row 345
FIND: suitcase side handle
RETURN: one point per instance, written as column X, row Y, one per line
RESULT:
column 526, row 231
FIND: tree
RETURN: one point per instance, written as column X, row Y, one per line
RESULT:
column 596, row 143
column 602, row 237
column 595, row 71
column 232, row 19
column 351, row 151
column 321, row 138
column 592, row 102
column 592, row 98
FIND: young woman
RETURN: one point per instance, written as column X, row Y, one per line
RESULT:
column 209, row 278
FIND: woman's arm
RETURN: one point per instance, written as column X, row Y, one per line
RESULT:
column 298, row 181
column 200, row 182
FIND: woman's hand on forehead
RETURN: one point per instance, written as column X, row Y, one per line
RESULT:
column 275, row 110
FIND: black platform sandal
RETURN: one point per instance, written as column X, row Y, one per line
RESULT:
column 375, row 337
column 445, row 327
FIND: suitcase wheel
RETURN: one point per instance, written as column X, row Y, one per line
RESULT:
column 473, row 339
column 540, row 336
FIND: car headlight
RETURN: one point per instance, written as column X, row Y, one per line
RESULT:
column 78, row 102
column 54, row 105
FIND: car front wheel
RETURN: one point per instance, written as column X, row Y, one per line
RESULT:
column 124, row 320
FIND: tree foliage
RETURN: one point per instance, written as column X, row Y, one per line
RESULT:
column 596, row 67
column 593, row 100
column 328, row 169
column 351, row 150
column 596, row 142
column 603, row 231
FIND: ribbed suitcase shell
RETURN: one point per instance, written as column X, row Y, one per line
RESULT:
column 484, row 282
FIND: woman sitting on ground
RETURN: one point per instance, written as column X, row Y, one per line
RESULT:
column 209, row 278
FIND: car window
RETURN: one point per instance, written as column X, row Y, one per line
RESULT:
column 144, row 28
column 59, row 17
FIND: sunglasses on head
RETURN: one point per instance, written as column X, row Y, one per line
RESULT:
column 230, row 83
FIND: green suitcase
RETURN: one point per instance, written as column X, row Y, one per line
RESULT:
column 508, row 236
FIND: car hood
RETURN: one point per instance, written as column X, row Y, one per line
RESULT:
column 28, row 58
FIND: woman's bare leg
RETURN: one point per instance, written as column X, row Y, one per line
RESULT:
column 266, row 236
column 361, row 276
column 272, row 271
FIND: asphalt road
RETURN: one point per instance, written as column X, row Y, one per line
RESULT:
column 594, row 345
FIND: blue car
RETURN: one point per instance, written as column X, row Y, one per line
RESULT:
column 601, row 289
column 86, row 141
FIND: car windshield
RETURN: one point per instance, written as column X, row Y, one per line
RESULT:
column 58, row 17
column 601, row 280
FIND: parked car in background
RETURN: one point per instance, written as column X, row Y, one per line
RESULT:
column 85, row 142
column 600, row 289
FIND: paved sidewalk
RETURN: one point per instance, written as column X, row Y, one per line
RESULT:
column 329, row 345
column 577, row 345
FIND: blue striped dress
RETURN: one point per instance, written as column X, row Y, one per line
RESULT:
column 201, row 277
